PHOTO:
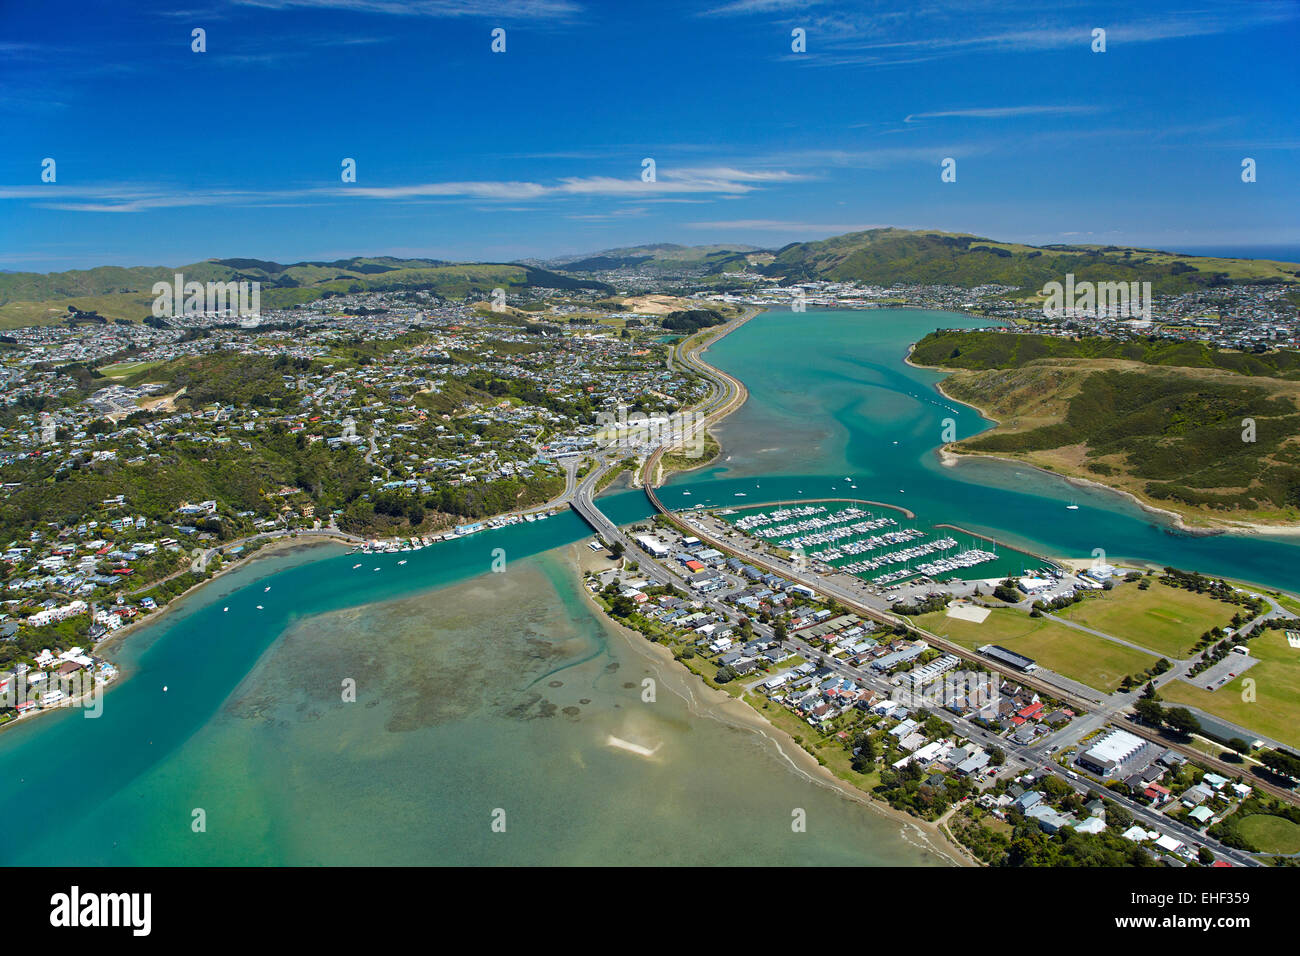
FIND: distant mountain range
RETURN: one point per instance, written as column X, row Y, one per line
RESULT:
column 880, row 256
column 890, row 256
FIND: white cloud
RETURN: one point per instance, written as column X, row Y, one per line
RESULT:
column 721, row 181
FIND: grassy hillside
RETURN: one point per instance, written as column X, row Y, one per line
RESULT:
column 897, row 255
column 1170, row 434
column 982, row 350
column 665, row 257
column 28, row 298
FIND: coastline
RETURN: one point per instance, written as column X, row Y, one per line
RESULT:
column 949, row 458
column 704, row 701
column 119, row 637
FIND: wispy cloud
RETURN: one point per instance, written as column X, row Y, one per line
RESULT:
column 999, row 112
column 942, row 28
column 670, row 183
column 502, row 9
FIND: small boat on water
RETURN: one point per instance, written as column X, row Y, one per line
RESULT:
column 1071, row 507
column 355, row 566
column 687, row 493
column 740, row 494
column 403, row 561
column 530, row 518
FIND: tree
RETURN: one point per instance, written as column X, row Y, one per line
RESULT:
column 1150, row 711
column 617, row 549
column 1281, row 761
column 997, row 756
column 1182, row 720
column 1205, row 856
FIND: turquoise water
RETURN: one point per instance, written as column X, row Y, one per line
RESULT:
column 475, row 692
column 478, row 691
column 832, row 399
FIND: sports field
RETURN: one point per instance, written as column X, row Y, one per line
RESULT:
column 1167, row 620
column 1275, row 710
column 1084, row 657
column 1271, row 834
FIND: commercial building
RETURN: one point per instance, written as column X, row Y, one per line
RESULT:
column 1110, row 751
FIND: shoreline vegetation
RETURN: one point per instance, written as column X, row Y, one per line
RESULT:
column 1067, row 461
column 116, row 638
column 709, row 702
column 934, row 837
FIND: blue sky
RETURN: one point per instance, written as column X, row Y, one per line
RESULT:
column 166, row 156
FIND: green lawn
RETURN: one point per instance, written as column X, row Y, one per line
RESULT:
column 1271, row 834
column 1092, row 660
column 123, row 369
column 1166, row 620
column 1275, row 712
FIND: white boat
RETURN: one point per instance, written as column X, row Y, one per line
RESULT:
column 687, row 493
column 1071, row 507
column 530, row 518
column 355, row 566
column 740, row 494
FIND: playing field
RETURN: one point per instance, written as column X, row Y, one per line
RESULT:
column 1275, row 711
column 1166, row 620
column 123, row 369
column 1271, row 834
column 1092, row 660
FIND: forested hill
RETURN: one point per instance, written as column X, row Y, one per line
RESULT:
column 1211, row 434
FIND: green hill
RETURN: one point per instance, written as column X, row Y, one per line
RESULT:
column 29, row 298
column 954, row 348
column 1166, row 422
column 656, row 257
column 888, row 256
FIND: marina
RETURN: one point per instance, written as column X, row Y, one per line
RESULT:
column 852, row 538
